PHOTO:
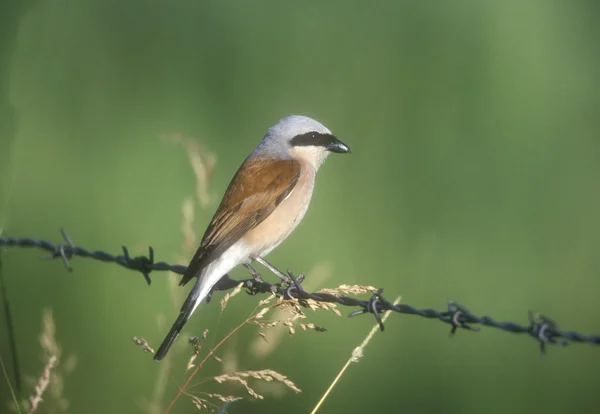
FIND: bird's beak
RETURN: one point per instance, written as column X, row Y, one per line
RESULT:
column 337, row 146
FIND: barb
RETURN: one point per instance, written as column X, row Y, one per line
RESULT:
column 66, row 251
column 540, row 327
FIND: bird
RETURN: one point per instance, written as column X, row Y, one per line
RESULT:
column 266, row 199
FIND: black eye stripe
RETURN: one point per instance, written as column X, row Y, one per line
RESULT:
column 313, row 138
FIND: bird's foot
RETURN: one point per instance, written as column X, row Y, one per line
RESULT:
column 284, row 278
column 255, row 275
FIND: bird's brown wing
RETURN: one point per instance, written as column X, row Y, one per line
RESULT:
column 257, row 188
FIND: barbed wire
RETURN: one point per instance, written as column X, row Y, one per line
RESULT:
column 541, row 328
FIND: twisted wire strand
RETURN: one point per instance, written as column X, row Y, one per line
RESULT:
column 541, row 328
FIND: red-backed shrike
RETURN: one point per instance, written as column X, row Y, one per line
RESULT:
column 265, row 201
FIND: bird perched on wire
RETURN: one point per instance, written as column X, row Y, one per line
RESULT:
column 265, row 201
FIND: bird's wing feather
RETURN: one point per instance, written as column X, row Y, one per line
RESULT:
column 257, row 188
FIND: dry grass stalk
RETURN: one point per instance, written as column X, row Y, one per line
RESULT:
column 267, row 300
column 190, row 363
column 189, row 244
column 203, row 404
column 200, row 403
column 215, row 356
column 290, row 312
column 36, row 397
column 269, row 340
column 312, row 326
column 229, row 295
column 242, row 381
column 349, row 290
column 314, row 305
column 265, row 325
column 267, row 375
column 224, row 398
column 296, row 312
column 262, row 313
column 264, row 375
column 357, row 353
column 202, row 162
column 51, row 382
column 144, row 344
column 195, row 342
column 153, row 405
column 190, row 241
column 48, row 335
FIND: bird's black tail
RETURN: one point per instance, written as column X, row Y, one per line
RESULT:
column 184, row 314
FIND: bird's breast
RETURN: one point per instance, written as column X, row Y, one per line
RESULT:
column 286, row 216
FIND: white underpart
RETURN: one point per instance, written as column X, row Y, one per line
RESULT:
column 237, row 254
column 315, row 156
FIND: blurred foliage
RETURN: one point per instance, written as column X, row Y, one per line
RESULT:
column 474, row 176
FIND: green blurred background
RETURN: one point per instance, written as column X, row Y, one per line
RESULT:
column 473, row 176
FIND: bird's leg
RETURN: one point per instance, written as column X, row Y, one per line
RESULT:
column 255, row 275
column 285, row 278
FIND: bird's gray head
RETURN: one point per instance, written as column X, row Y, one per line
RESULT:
column 301, row 138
